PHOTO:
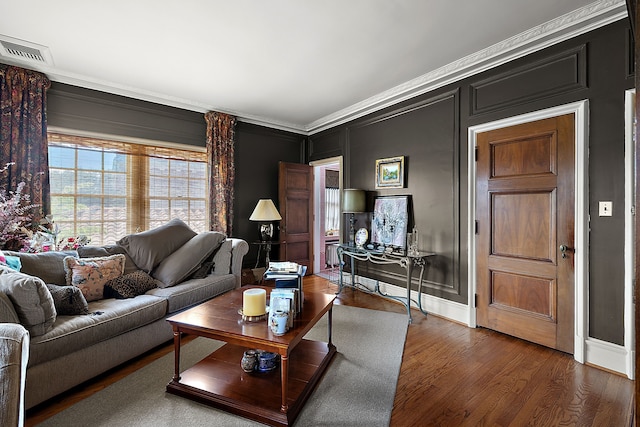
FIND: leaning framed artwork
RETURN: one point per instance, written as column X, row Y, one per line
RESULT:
column 390, row 172
column 390, row 222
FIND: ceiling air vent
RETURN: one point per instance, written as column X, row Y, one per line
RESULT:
column 23, row 51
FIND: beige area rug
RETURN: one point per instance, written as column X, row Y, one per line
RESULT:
column 358, row 389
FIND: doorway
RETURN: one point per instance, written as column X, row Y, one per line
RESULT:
column 580, row 229
column 326, row 225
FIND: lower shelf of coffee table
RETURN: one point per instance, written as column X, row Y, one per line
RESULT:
column 219, row 381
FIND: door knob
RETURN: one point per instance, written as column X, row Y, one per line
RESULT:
column 564, row 249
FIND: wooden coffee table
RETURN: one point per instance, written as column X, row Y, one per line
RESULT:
column 273, row 398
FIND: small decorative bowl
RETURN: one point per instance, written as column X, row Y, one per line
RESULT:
column 267, row 361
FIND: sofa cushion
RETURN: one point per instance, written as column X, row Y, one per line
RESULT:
column 107, row 318
column 91, row 274
column 129, row 285
column 46, row 265
column 31, row 300
column 68, row 300
column 188, row 258
column 222, row 259
column 106, row 250
column 149, row 248
column 194, row 291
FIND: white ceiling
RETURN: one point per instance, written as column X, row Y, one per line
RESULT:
column 300, row 65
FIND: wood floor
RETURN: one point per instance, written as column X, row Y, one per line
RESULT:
column 452, row 375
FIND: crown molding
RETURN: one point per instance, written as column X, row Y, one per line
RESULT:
column 74, row 79
column 572, row 24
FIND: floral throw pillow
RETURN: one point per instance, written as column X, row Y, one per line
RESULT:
column 91, row 274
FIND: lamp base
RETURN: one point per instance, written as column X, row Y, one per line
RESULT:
column 266, row 231
column 352, row 230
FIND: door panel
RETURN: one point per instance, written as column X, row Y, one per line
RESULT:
column 522, row 226
column 525, row 208
column 295, row 192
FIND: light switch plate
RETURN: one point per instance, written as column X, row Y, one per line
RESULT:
column 605, row 208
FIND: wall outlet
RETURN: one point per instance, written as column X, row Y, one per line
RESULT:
column 605, row 208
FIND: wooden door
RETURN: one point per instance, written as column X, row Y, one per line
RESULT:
column 295, row 192
column 525, row 212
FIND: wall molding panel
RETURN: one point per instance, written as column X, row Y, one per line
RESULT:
column 554, row 75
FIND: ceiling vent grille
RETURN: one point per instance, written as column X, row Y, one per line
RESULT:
column 22, row 51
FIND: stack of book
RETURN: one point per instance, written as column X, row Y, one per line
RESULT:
column 287, row 300
column 284, row 270
column 288, row 277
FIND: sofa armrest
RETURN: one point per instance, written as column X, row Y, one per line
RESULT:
column 7, row 310
column 14, row 355
column 239, row 249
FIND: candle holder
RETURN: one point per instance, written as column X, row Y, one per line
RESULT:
column 258, row 318
column 413, row 243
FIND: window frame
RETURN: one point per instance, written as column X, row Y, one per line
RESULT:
column 138, row 199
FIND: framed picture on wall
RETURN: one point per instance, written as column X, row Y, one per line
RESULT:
column 390, row 172
column 390, row 222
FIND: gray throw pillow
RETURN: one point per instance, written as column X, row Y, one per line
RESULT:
column 222, row 259
column 130, row 285
column 149, row 248
column 48, row 266
column 68, row 300
column 31, row 300
column 188, row 258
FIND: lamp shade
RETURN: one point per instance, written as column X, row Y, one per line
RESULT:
column 265, row 210
column 353, row 200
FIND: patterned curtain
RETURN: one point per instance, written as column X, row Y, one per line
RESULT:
column 222, row 170
column 23, row 134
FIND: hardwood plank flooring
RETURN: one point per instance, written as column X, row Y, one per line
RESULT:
column 452, row 375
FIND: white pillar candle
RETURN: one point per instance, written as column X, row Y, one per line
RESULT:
column 254, row 302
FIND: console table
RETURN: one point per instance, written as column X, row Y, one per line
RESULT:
column 407, row 261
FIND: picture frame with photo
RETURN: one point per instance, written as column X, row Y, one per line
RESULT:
column 390, row 172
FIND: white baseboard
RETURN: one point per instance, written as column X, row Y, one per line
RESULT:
column 609, row 356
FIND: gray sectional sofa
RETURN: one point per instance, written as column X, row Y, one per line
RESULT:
column 68, row 349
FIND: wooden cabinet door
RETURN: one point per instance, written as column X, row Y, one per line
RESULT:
column 525, row 212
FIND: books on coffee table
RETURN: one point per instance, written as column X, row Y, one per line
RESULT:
column 284, row 270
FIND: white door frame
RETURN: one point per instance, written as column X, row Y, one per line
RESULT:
column 581, row 259
column 316, row 203
column 629, row 250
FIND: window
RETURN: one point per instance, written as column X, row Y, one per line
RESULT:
column 106, row 189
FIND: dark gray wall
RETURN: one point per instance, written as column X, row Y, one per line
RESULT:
column 258, row 153
column 431, row 130
column 89, row 110
column 258, row 149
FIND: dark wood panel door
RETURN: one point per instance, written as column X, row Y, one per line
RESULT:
column 525, row 212
column 295, row 192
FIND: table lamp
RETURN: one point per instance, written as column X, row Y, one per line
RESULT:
column 265, row 212
column 353, row 201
